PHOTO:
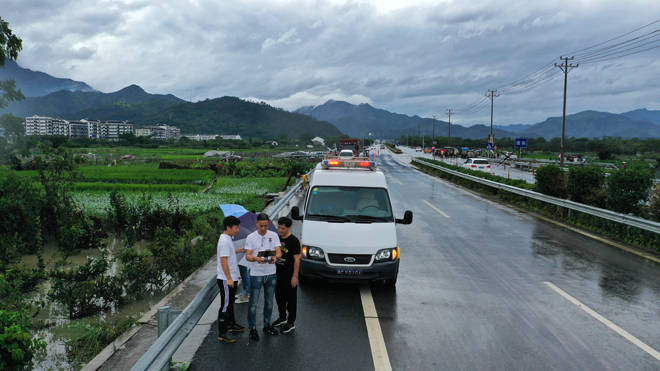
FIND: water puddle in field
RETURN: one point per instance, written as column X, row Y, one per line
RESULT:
column 52, row 320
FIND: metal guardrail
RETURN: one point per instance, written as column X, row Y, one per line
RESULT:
column 632, row 221
column 159, row 354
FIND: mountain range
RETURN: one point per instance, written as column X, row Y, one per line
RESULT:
column 69, row 99
column 37, row 84
column 360, row 120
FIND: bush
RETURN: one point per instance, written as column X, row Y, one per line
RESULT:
column 551, row 180
column 16, row 344
column 604, row 155
column 87, row 289
column 584, row 182
column 91, row 338
column 628, row 189
column 652, row 211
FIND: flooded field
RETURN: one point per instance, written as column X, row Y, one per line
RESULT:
column 52, row 322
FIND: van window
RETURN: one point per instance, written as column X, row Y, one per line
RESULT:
column 352, row 204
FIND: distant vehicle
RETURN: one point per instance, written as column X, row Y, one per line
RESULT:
column 508, row 155
column 427, row 150
column 299, row 154
column 418, row 149
column 128, row 157
column 478, row 164
column 350, row 144
column 231, row 158
column 346, row 153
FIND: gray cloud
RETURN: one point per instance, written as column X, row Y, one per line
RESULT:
column 419, row 58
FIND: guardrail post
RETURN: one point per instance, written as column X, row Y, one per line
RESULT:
column 165, row 317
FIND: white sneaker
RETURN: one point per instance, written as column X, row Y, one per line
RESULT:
column 242, row 299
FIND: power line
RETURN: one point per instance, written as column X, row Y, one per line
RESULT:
column 618, row 37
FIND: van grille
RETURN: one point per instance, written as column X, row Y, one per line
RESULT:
column 339, row 259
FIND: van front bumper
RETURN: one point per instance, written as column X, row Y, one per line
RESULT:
column 320, row 269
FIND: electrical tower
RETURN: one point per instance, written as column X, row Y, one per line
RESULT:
column 565, row 68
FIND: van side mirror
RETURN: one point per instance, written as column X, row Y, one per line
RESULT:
column 407, row 218
column 295, row 213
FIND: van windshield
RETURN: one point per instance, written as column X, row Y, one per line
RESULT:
column 349, row 204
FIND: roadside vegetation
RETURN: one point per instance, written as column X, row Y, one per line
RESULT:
column 66, row 199
column 629, row 191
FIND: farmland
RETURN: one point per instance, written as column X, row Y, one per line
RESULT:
column 104, row 235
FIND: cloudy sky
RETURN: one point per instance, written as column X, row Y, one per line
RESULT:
column 413, row 57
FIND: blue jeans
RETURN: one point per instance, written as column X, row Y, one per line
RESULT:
column 245, row 275
column 268, row 283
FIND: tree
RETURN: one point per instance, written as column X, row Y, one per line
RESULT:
column 306, row 137
column 10, row 45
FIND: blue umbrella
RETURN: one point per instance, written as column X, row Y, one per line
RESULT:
column 231, row 209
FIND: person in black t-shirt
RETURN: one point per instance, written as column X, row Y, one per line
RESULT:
column 286, row 291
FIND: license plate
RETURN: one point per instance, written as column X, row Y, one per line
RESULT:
column 349, row 272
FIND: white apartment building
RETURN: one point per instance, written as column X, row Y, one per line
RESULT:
column 162, row 132
column 200, row 137
column 231, row 137
column 44, row 125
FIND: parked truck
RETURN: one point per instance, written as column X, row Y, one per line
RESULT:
column 352, row 144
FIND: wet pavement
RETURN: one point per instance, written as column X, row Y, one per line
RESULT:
column 502, row 170
column 475, row 292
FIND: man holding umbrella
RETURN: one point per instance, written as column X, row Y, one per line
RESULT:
column 262, row 248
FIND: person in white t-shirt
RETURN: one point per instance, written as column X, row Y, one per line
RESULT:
column 227, row 280
column 262, row 273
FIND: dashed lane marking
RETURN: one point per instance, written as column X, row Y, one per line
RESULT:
column 436, row 209
column 654, row 353
column 376, row 340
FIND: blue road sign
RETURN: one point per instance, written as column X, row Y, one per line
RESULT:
column 489, row 145
column 521, row 143
column 398, row 144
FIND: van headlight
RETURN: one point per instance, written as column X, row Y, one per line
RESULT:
column 312, row 252
column 387, row 255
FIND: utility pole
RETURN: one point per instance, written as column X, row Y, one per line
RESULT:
column 449, row 113
column 565, row 68
column 492, row 97
column 433, row 135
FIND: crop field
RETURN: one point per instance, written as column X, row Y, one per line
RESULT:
column 134, row 181
column 140, row 174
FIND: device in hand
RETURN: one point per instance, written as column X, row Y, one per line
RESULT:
column 267, row 255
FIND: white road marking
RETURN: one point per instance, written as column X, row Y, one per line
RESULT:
column 396, row 180
column 654, row 353
column 436, row 209
column 376, row 340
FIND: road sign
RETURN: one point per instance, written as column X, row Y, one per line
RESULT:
column 491, row 138
column 521, row 143
column 489, row 145
column 398, row 144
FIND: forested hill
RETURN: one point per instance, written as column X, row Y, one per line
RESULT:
column 69, row 104
column 231, row 115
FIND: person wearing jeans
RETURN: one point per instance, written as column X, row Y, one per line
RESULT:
column 262, row 248
column 243, row 267
column 268, row 283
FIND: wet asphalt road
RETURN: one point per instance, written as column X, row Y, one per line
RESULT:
column 471, row 295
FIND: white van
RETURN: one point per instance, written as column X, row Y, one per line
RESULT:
column 348, row 228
